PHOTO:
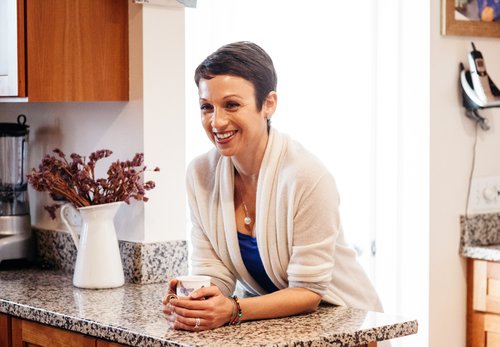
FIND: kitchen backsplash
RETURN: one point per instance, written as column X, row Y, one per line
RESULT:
column 142, row 262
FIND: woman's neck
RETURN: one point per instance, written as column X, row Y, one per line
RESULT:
column 248, row 165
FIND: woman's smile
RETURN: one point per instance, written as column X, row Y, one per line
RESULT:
column 224, row 136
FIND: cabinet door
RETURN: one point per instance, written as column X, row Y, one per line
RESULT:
column 486, row 277
column 5, row 337
column 77, row 50
column 30, row 334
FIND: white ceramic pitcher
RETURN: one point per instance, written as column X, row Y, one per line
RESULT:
column 98, row 260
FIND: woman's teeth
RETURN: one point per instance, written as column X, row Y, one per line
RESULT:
column 225, row 135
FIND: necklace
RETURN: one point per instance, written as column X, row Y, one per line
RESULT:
column 248, row 219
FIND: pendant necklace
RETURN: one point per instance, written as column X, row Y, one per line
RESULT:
column 248, row 219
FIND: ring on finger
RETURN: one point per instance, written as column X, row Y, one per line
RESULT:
column 197, row 322
column 170, row 297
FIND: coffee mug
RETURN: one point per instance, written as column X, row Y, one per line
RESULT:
column 187, row 284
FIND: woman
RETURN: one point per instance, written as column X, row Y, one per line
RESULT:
column 264, row 210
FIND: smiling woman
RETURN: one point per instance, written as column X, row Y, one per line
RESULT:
column 326, row 99
column 264, row 209
column 350, row 76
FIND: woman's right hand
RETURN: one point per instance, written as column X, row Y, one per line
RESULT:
column 172, row 284
column 206, row 308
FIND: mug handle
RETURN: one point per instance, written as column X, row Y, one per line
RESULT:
column 72, row 231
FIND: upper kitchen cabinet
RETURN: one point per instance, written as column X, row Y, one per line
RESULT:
column 75, row 50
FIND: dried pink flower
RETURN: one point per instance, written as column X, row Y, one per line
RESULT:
column 75, row 181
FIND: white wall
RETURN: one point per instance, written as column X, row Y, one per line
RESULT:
column 76, row 127
column 151, row 125
column 451, row 141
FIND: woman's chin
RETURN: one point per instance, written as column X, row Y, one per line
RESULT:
column 225, row 152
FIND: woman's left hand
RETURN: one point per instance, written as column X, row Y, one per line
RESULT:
column 207, row 308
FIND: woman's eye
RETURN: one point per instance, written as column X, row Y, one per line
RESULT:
column 206, row 107
column 232, row 105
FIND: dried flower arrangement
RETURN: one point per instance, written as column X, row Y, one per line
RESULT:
column 75, row 181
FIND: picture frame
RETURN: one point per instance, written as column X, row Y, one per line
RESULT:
column 451, row 25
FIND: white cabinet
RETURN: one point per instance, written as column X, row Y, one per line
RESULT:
column 8, row 48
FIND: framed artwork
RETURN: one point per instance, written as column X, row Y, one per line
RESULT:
column 470, row 17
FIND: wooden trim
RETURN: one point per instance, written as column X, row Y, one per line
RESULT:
column 5, row 331
column 480, row 285
column 475, row 335
column 21, row 49
column 28, row 332
column 17, row 332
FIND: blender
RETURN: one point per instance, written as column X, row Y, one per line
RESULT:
column 16, row 240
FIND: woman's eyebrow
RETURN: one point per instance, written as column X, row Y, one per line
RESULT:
column 232, row 96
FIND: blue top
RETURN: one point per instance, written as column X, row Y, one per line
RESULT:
column 253, row 263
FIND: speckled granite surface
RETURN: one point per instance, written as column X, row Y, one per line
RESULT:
column 480, row 236
column 490, row 253
column 132, row 315
column 142, row 262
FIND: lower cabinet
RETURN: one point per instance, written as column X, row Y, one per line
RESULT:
column 15, row 332
column 483, row 303
column 5, row 331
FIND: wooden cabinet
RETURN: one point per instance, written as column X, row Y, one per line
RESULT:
column 5, row 331
column 27, row 333
column 483, row 303
column 73, row 50
column 15, row 332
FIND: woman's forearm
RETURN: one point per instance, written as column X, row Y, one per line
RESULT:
column 282, row 303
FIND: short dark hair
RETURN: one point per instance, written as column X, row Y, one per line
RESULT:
column 243, row 59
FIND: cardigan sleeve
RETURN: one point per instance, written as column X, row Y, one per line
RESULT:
column 206, row 262
column 315, row 230
column 204, row 258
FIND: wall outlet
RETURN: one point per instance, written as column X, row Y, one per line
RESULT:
column 485, row 194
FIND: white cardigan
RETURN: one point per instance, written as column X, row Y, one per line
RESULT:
column 297, row 226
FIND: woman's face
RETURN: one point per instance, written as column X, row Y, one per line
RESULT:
column 229, row 115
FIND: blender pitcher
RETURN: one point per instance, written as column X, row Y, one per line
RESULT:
column 15, row 222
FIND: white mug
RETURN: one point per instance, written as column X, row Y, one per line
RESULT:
column 188, row 284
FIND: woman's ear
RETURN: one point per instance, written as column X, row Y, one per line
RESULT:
column 270, row 104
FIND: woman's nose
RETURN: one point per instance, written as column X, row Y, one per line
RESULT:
column 218, row 118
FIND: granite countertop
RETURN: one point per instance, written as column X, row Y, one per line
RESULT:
column 480, row 236
column 488, row 252
column 132, row 315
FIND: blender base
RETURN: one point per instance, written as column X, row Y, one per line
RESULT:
column 16, row 238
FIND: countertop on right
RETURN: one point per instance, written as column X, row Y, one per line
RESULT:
column 480, row 236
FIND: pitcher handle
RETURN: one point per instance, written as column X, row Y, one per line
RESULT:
column 72, row 231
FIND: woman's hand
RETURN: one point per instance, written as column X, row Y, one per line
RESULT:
column 167, row 307
column 172, row 285
column 205, row 309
